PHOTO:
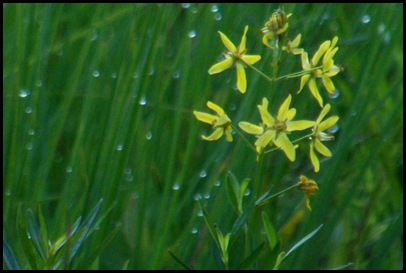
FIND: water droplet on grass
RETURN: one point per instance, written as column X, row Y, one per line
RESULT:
column 119, row 147
column 335, row 95
column 176, row 75
column 114, row 75
column 69, row 169
column 192, row 34
column 28, row 146
column 217, row 183
column 366, row 19
column 185, row 5
column 96, row 73
column 214, row 8
column 333, row 129
column 143, row 100
column 194, row 230
column 218, row 16
column 31, row 132
column 149, row 135
column 203, row 173
column 176, row 186
column 24, row 93
column 28, row 110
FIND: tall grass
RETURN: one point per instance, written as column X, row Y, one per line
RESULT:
column 98, row 102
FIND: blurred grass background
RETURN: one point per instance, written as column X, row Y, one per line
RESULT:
column 98, row 101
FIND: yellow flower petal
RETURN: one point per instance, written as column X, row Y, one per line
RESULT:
column 334, row 70
column 322, row 49
column 299, row 125
column 215, row 108
column 265, row 139
column 204, row 117
column 251, row 59
column 227, row 43
column 314, row 159
column 315, row 91
column 283, row 109
column 305, row 61
column 229, row 136
column 266, row 38
column 327, row 123
column 323, row 113
column 284, row 143
column 295, row 43
column 221, row 66
column 303, row 81
column 215, row 135
column 307, row 200
column 241, row 47
column 241, row 79
column 221, row 121
column 266, row 117
column 321, row 148
column 328, row 84
column 251, row 128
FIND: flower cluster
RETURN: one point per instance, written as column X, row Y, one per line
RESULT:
column 274, row 132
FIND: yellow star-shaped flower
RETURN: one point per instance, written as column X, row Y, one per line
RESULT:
column 308, row 187
column 325, row 71
column 235, row 56
column 221, row 123
column 319, row 135
column 276, row 129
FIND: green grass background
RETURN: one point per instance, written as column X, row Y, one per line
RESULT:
column 98, row 101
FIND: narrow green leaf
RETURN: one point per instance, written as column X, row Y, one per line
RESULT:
column 243, row 187
column 9, row 258
column 263, row 197
column 43, row 228
column 209, row 223
column 178, row 260
column 63, row 239
column 26, row 242
column 232, row 192
column 342, row 266
column 270, row 230
column 35, row 235
column 242, row 219
column 85, row 225
column 301, row 242
column 252, row 258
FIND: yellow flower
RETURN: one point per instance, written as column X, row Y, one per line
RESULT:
column 324, row 71
column 308, row 187
column 235, row 56
column 319, row 136
column 275, row 26
column 221, row 123
column 292, row 46
column 276, row 129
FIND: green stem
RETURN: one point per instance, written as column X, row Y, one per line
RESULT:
column 266, row 200
column 244, row 138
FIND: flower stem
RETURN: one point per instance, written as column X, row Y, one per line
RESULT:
column 244, row 138
column 266, row 200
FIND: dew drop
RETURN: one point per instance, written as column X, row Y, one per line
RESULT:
column 381, row 28
column 194, row 230
column 366, row 19
column 129, row 177
column 176, row 75
column 333, row 129
column 200, row 213
column 143, row 100
column 96, row 73
column 176, row 186
column 218, row 16
column 335, row 95
column 353, row 113
column 69, row 169
column 247, row 192
column 152, row 71
column 119, row 147
column 7, row 193
column 127, row 170
column 198, row 196
column 214, row 8
column 28, row 110
column 95, row 35
column 38, row 83
column 217, row 183
column 149, row 135
column 194, row 10
column 31, row 132
column 185, row 5
column 192, row 34
column 24, row 93
column 203, row 174
column 29, row 146
column 114, row 75
column 207, row 196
